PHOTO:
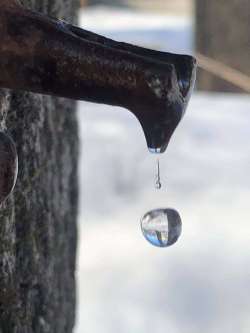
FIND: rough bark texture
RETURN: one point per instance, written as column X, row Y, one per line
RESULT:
column 38, row 221
column 222, row 32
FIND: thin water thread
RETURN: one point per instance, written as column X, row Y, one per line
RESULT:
column 158, row 176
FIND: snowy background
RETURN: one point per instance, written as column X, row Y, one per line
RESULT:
column 201, row 284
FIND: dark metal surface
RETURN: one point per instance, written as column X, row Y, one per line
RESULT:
column 49, row 56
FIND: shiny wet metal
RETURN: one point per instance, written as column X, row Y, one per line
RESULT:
column 49, row 56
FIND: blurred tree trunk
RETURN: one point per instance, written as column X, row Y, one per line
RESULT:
column 38, row 222
column 83, row 3
column 222, row 33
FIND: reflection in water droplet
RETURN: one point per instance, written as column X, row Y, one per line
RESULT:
column 161, row 227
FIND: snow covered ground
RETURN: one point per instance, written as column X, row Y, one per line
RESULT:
column 201, row 284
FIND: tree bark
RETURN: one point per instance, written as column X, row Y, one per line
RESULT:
column 38, row 221
column 222, row 33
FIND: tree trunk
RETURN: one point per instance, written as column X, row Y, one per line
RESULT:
column 222, row 33
column 38, row 221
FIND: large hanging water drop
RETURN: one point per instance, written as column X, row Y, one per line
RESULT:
column 161, row 227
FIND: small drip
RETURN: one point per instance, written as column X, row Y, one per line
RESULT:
column 158, row 177
column 154, row 150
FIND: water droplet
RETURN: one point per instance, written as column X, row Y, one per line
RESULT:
column 154, row 150
column 161, row 227
column 158, row 177
column 158, row 185
column 8, row 166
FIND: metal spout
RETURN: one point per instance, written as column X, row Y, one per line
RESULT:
column 49, row 56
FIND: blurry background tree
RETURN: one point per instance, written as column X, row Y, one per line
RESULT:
column 38, row 222
column 222, row 33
